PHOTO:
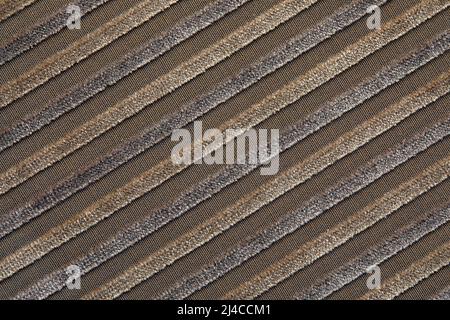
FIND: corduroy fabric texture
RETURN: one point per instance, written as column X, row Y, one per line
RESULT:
column 87, row 178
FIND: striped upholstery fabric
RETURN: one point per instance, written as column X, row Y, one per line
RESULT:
column 87, row 179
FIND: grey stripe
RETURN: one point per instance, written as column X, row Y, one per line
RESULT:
column 374, row 256
column 120, row 69
column 204, row 190
column 310, row 210
column 43, row 30
column 443, row 295
column 163, row 129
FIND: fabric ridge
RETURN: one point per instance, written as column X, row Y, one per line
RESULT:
column 225, row 150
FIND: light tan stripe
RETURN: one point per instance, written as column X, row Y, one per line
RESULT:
column 166, row 169
column 412, row 275
column 444, row 294
column 81, row 49
column 344, row 231
column 266, row 193
column 10, row 7
column 152, row 92
column 342, row 61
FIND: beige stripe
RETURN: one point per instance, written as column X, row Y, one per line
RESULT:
column 165, row 169
column 10, row 7
column 342, row 61
column 152, row 92
column 267, row 193
column 81, row 49
column 412, row 275
column 326, row 242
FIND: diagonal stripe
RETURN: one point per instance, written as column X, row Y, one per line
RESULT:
column 152, row 92
column 136, row 16
column 43, row 30
column 166, row 169
column 412, row 275
column 357, row 267
column 10, row 7
column 221, row 266
column 265, row 194
column 343, row 232
column 443, row 295
column 81, row 49
column 155, row 220
column 342, row 61
column 118, row 70
column 311, row 80
column 308, row 211
column 154, row 134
